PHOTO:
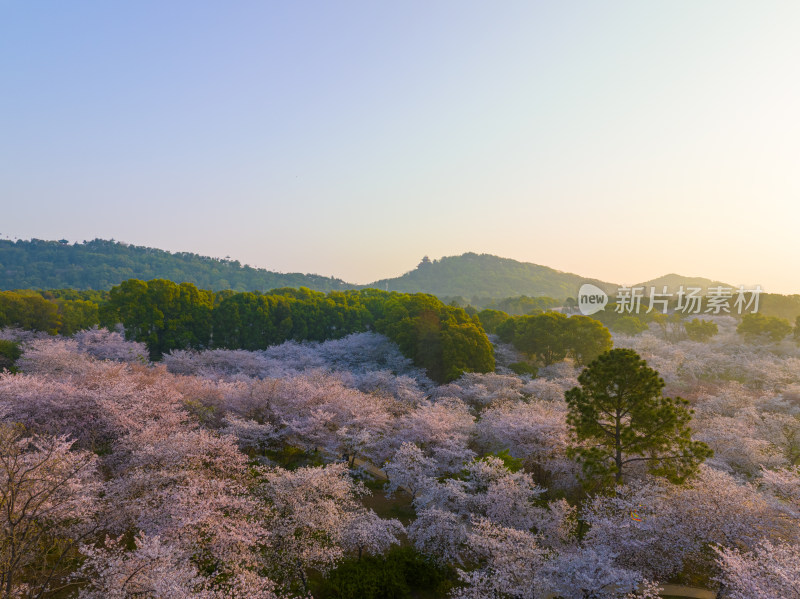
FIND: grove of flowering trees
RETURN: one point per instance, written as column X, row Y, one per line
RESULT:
column 314, row 469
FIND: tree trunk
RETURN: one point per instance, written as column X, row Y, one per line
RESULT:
column 618, row 448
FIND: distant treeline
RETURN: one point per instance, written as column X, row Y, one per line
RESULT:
column 770, row 304
column 100, row 264
column 519, row 305
column 785, row 307
column 443, row 339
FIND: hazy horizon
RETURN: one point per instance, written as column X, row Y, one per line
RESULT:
column 621, row 141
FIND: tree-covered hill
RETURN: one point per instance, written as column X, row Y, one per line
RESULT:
column 101, row 264
column 673, row 282
column 477, row 279
column 485, row 276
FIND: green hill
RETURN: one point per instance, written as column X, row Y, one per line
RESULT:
column 486, row 276
column 674, row 282
column 101, row 264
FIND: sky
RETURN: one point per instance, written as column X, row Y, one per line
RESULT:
column 616, row 140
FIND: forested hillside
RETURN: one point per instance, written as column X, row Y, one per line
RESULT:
column 101, row 264
column 479, row 280
column 485, row 276
column 673, row 282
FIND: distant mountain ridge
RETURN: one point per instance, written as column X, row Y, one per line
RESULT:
column 101, row 264
column 673, row 282
column 485, row 276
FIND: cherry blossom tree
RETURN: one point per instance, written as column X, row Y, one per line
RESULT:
column 404, row 388
column 510, row 561
column 439, row 534
column 487, row 492
column 673, row 525
column 535, row 432
column 366, row 532
column 322, row 413
column 782, row 432
column 57, row 407
column 48, row 495
column 735, row 442
column 410, row 470
column 53, row 356
column 110, row 345
column 587, row 572
column 503, row 497
column 784, row 483
column 482, row 389
column 22, row 335
column 190, row 488
column 443, row 429
column 152, row 569
column 357, row 354
column 317, row 516
column 156, row 569
column 221, row 363
column 767, row 572
column 250, row 435
column 551, row 389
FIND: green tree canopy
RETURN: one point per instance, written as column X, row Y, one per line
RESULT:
column 618, row 417
column 162, row 314
column 444, row 340
column 491, row 319
column 9, row 354
column 28, row 311
column 77, row 315
column 757, row 326
column 629, row 325
column 587, row 338
column 550, row 337
column 543, row 336
column 701, row 330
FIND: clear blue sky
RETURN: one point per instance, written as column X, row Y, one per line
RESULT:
column 619, row 140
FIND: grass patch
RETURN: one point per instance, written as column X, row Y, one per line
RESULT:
column 9, row 354
column 402, row 573
column 398, row 506
column 292, row 458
